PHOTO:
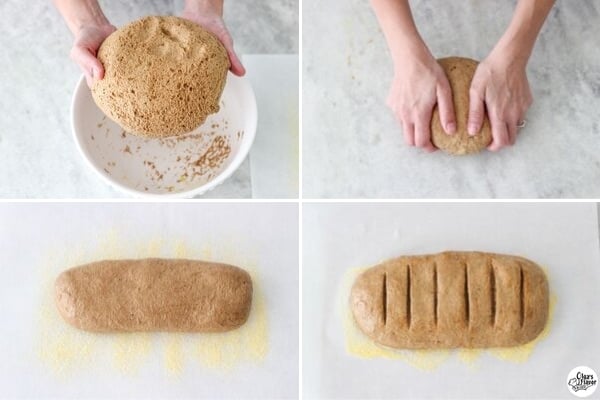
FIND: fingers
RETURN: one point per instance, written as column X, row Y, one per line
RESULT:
column 408, row 131
column 446, row 108
column 423, row 130
column 476, row 110
column 423, row 136
column 89, row 64
column 416, row 128
column 512, row 133
column 236, row 65
column 513, row 129
column 417, row 133
column 500, row 135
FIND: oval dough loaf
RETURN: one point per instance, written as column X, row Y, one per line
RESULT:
column 154, row 295
column 460, row 73
column 451, row 299
column 163, row 76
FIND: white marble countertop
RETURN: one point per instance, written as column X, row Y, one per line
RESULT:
column 352, row 146
column 38, row 158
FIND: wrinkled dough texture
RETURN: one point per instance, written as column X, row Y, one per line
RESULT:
column 173, row 295
column 451, row 300
column 460, row 73
column 163, row 76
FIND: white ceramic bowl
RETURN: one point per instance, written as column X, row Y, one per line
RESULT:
column 172, row 167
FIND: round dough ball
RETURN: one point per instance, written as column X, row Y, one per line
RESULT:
column 163, row 76
column 460, row 73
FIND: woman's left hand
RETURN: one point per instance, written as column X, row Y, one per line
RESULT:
column 499, row 87
column 210, row 18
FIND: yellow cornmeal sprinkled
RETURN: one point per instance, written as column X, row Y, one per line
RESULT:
column 67, row 350
column 174, row 361
column 180, row 250
column 206, row 252
column 223, row 350
column 249, row 342
column 130, row 351
column 153, row 248
column 61, row 347
column 469, row 356
column 359, row 345
column 522, row 353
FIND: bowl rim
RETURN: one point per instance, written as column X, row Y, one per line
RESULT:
column 240, row 157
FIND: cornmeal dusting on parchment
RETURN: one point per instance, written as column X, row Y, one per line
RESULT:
column 67, row 350
column 247, row 343
column 130, row 351
column 522, row 353
column 174, row 359
column 359, row 345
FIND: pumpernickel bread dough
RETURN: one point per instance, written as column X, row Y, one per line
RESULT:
column 451, row 299
column 460, row 73
column 163, row 76
column 173, row 295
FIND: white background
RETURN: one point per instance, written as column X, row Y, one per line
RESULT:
column 563, row 238
column 265, row 233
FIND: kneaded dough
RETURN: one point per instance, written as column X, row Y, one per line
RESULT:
column 173, row 295
column 460, row 73
column 163, row 76
column 451, row 299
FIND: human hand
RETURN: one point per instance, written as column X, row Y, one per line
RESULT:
column 419, row 83
column 499, row 85
column 210, row 18
column 87, row 42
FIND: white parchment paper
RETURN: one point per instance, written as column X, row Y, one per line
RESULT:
column 40, row 358
column 561, row 237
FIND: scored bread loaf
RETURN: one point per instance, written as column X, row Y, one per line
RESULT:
column 459, row 72
column 154, row 294
column 451, row 299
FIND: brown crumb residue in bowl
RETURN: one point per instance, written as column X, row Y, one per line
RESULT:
column 169, row 164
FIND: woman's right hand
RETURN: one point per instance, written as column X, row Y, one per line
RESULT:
column 419, row 84
column 85, row 48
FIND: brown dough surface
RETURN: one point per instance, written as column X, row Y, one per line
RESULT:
column 460, row 73
column 163, row 76
column 450, row 300
column 173, row 295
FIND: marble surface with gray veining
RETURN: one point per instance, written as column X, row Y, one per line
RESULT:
column 38, row 158
column 352, row 146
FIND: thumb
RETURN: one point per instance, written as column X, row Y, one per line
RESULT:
column 89, row 64
column 446, row 108
column 476, row 110
column 236, row 65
